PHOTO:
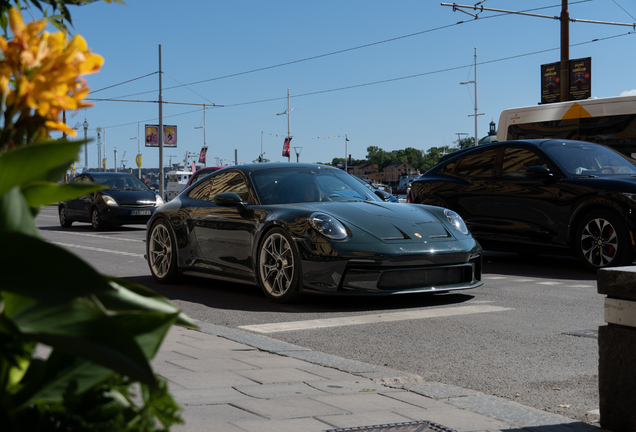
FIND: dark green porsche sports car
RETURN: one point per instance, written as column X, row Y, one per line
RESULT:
column 303, row 228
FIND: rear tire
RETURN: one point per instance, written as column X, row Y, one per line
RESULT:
column 64, row 220
column 279, row 267
column 602, row 240
column 162, row 253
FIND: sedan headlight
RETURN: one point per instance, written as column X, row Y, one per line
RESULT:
column 328, row 226
column 109, row 201
column 456, row 221
column 159, row 201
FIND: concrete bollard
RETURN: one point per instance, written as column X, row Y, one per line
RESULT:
column 617, row 349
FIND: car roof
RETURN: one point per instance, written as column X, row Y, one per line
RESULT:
column 248, row 168
column 529, row 142
column 110, row 174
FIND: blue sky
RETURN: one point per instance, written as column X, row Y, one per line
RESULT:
column 203, row 41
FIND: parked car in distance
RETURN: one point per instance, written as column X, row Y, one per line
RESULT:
column 126, row 201
column 382, row 194
column 304, row 228
column 541, row 196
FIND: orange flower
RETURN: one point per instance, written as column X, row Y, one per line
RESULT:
column 41, row 73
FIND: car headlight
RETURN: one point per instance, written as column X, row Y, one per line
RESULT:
column 456, row 221
column 328, row 226
column 159, row 201
column 109, row 201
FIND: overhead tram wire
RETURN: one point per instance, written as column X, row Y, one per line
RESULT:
column 428, row 73
column 336, row 52
column 356, row 85
column 125, row 82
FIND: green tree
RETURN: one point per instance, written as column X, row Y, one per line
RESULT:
column 103, row 331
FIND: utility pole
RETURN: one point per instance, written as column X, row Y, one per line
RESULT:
column 346, row 155
column 160, row 131
column 565, row 20
column 565, row 51
column 474, row 82
column 287, row 111
column 86, row 143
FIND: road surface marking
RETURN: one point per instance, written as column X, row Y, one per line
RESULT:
column 494, row 277
column 548, row 283
column 98, row 249
column 101, row 237
column 371, row 319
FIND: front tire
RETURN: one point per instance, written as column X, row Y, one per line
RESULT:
column 602, row 240
column 96, row 220
column 162, row 253
column 279, row 267
column 64, row 220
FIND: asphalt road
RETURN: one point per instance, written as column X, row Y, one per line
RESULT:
column 527, row 335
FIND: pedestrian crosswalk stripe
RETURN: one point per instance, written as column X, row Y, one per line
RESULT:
column 374, row 318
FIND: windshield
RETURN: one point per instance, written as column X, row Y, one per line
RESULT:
column 123, row 183
column 584, row 159
column 314, row 184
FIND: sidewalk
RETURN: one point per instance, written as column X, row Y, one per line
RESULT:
column 231, row 380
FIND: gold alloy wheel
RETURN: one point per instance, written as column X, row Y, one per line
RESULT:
column 276, row 265
column 160, row 251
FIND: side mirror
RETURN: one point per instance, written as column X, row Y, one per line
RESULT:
column 384, row 196
column 229, row 199
column 539, row 172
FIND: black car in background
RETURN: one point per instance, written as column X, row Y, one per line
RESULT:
column 541, row 196
column 126, row 201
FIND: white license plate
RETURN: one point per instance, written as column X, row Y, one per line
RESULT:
column 140, row 212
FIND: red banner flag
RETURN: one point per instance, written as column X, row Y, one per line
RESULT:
column 204, row 151
column 286, row 147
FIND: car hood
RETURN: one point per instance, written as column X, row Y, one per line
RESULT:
column 132, row 197
column 389, row 221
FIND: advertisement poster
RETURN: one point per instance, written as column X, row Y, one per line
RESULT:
column 580, row 76
column 169, row 136
column 551, row 83
column 286, row 147
column 580, row 79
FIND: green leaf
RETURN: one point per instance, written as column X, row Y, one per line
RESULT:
column 60, row 274
column 15, row 216
column 81, row 328
column 25, row 164
column 50, row 378
column 128, row 294
column 43, row 193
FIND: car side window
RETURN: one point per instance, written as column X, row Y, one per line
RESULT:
column 231, row 181
column 480, row 164
column 517, row 160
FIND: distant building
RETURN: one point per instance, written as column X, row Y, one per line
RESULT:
column 393, row 172
column 492, row 135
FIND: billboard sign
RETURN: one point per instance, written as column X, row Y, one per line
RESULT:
column 580, row 80
column 152, row 136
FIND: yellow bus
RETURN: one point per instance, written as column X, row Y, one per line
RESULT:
column 608, row 121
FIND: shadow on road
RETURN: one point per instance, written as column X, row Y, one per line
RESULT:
column 535, row 266
column 250, row 298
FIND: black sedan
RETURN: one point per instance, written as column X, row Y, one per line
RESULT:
column 127, row 200
column 541, row 196
column 296, row 228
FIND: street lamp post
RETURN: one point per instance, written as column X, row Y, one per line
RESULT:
column 474, row 82
column 287, row 111
column 138, row 138
column 205, row 146
column 86, row 143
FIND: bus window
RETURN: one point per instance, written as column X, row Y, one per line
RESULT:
column 559, row 129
